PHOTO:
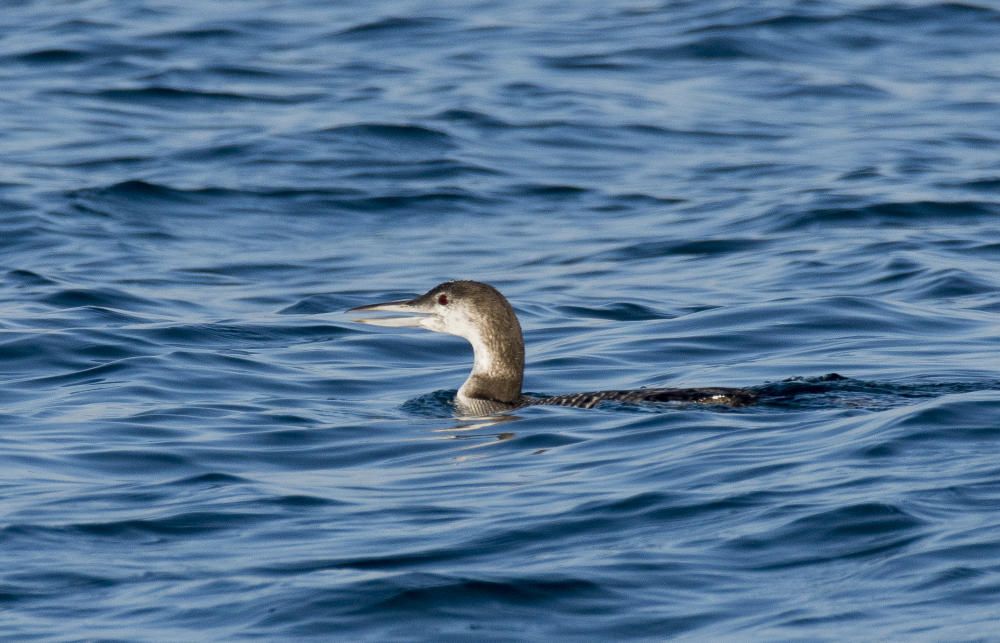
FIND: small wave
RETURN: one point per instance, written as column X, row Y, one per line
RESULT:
column 439, row 404
column 214, row 479
column 933, row 14
column 213, row 334
column 120, row 200
column 415, row 203
column 750, row 132
column 108, row 301
column 683, row 247
column 189, row 97
column 132, row 461
column 549, row 191
column 950, row 283
column 389, row 599
column 21, row 588
column 853, row 531
column 190, row 524
column 68, row 351
column 413, row 135
column 297, row 502
column 394, row 26
column 28, row 279
column 702, row 48
column 55, row 56
column 590, row 62
column 833, row 390
column 425, row 170
column 134, row 190
column 201, row 33
column 623, row 311
column 957, row 414
column 314, row 305
column 886, row 214
column 857, row 91
column 708, row 48
column 471, row 117
column 456, row 591
column 982, row 185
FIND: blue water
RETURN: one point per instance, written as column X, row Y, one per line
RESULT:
column 196, row 443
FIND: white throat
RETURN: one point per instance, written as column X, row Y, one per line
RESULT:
column 483, row 360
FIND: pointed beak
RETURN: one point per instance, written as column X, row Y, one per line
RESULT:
column 413, row 321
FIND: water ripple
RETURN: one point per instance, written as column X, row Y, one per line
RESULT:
column 196, row 442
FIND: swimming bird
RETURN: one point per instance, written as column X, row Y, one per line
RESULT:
column 484, row 317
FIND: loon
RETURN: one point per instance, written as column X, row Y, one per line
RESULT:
column 480, row 314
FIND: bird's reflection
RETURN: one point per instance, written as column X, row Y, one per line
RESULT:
column 471, row 429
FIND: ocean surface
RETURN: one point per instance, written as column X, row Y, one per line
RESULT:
column 197, row 443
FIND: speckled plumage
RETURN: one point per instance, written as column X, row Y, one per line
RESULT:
column 711, row 395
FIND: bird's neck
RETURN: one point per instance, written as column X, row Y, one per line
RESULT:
column 498, row 367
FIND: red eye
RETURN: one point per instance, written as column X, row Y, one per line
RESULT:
column 443, row 299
